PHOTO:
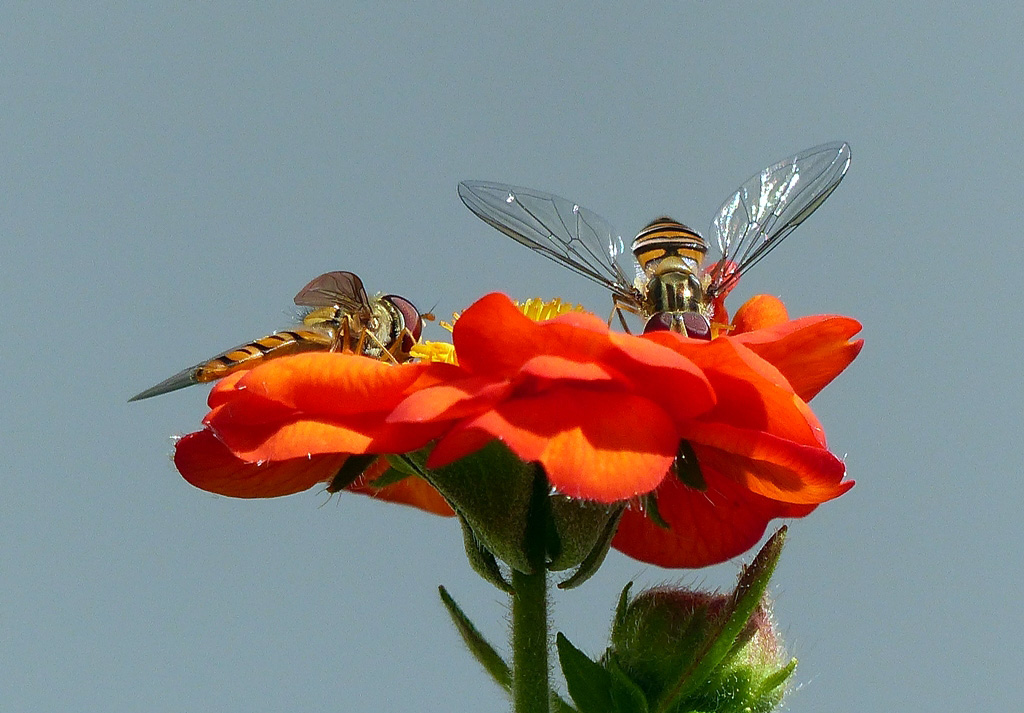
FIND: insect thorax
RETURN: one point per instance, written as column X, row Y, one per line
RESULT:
column 670, row 255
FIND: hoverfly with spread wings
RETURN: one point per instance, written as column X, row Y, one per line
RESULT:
column 667, row 280
column 339, row 316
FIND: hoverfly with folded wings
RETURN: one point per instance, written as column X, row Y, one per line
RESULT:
column 339, row 316
column 673, row 286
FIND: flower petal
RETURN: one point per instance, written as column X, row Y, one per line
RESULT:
column 705, row 527
column 758, row 312
column 810, row 352
column 556, row 368
column 303, row 437
column 769, row 465
column 328, row 384
column 205, row 462
column 448, row 401
column 647, row 368
column 750, row 392
column 579, row 439
column 413, row 491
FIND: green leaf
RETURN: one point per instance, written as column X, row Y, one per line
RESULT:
column 746, row 596
column 482, row 651
column 590, row 686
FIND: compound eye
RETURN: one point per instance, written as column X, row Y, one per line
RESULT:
column 697, row 325
column 410, row 317
column 659, row 322
column 691, row 324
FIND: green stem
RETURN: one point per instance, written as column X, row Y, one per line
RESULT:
column 531, row 688
column 530, row 685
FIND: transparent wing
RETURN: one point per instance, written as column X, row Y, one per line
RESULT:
column 769, row 206
column 334, row 289
column 559, row 229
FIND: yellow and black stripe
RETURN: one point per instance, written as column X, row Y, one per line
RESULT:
column 245, row 356
column 275, row 345
column 664, row 238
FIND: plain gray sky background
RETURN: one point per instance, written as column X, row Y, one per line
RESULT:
column 170, row 177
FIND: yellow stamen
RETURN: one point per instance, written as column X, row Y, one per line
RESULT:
column 435, row 351
column 538, row 310
column 718, row 328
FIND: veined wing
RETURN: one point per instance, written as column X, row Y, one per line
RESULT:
column 334, row 289
column 769, row 206
column 559, row 229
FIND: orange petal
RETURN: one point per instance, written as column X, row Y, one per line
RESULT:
column 705, row 527
column 412, row 491
column 556, row 368
column 768, row 465
column 456, row 399
column 327, row 384
column 206, row 463
column 810, row 351
column 493, row 338
column 753, row 394
column 579, row 439
column 758, row 312
column 299, row 438
column 224, row 389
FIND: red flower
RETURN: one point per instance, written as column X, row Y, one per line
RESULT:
column 599, row 411
column 744, row 492
column 602, row 412
column 207, row 461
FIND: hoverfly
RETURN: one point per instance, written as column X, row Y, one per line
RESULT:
column 339, row 317
column 670, row 291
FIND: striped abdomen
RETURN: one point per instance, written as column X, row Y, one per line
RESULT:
column 248, row 355
column 664, row 239
column 245, row 356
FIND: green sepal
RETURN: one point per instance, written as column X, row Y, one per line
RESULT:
column 721, row 643
column 390, row 477
column 589, row 684
column 482, row 560
column 482, row 651
column 626, row 695
column 773, row 684
column 350, row 470
column 559, row 705
column 687, row 468
column 507, row 504
column 409, row 463
column 584, row 530
column 622, row 607
column 592, row 562
column 491, row 491
column 649, row 505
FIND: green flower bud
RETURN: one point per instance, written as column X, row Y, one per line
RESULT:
column 664, row 633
